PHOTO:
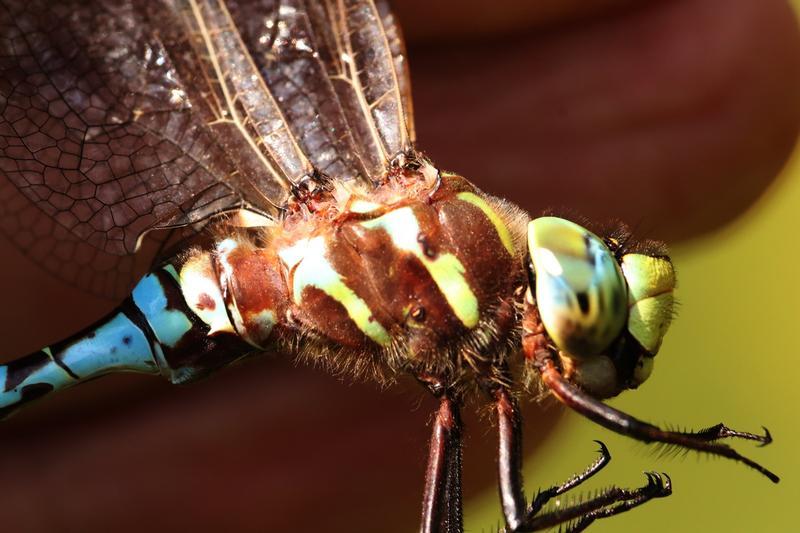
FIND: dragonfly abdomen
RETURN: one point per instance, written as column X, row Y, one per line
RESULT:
column 154, row 331
column 116, row 344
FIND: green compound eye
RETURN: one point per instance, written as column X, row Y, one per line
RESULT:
column 651, row 282
column 580, row 290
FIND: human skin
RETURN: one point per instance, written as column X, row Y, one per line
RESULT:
column 674, row 116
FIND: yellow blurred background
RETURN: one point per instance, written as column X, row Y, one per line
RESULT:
column 731, row 356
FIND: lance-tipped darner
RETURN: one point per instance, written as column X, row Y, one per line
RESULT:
column 280, row 137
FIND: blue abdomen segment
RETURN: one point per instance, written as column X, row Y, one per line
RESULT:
column 168, row 324
column 114, row 345
column 152, row 332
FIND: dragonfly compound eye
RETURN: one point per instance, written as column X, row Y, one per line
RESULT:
column 651, row 283
column 579, row 288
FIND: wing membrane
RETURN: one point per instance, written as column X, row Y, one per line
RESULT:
column 355, row 49
column 121, row 117
column 281, row 41
column 397, row 49
column 112, row 132
column 242, row 98
column 94, row 125
column 340, row 73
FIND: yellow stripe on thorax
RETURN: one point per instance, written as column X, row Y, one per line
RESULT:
column 445, row 270
column 499, row 225
column 314, row 270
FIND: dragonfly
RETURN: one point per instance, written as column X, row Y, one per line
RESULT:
column 264, row 153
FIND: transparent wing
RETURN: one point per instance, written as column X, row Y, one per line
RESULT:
column 61, row 252
column 122, row 117
column 397, row 50
column 283, row 46
column 117, row 118
column 356, row 51
column 240, row 105
column 339, row 71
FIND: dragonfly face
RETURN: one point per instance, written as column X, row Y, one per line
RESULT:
column 606, row 310
column 276, row 140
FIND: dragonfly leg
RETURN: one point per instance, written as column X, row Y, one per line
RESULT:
column 658, row 486
column 721, row 431
column 441, row 503
column 520, row 517
column 623, row 423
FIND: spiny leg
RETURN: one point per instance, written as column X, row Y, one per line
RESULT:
column 657, row 487
column 441, row 503
column 544, row 496
column 519, row 518
column 625, row 424
column 510, row 464
column 721, row 431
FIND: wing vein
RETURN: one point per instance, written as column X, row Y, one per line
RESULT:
column 352, row 76
column 404, row 139
column 237, row 108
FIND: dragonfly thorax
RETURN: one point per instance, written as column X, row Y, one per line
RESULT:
column 401, row 276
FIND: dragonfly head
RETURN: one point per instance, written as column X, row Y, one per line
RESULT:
column 604, row 304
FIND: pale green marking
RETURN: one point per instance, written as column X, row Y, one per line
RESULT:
column 169, row 269
column 446, row 270
column 195, row 280
column 499, row 225
column 363, row 206
column 265, row 320
column 291, row 255
column 314, row 270
column 48, row 351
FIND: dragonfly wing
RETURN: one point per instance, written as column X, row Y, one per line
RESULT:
column 121, row 117
column 117, row 118
column 239, row 106
column 61, row 252
column 338, row 70
column 282, row 44
column 96, row 127
column 397, row 49
column 362, row 62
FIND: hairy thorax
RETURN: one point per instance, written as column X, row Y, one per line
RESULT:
column 424, row 272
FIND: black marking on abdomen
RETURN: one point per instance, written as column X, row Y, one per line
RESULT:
column 135, row 315
column 57, row 360
column 18, row 370
column 28, row 393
